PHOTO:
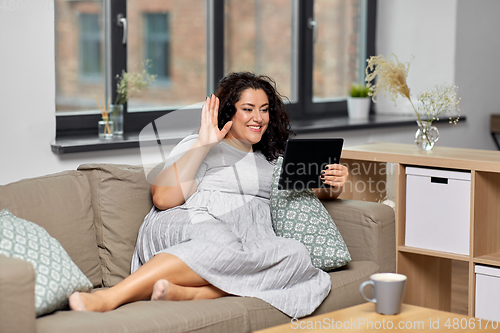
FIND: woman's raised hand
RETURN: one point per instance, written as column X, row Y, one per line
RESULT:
column 210, row 134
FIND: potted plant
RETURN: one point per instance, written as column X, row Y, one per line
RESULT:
column 129, row 85
column 358, row 102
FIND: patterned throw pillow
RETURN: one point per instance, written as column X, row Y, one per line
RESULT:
column 57, row 276
column 301, row 215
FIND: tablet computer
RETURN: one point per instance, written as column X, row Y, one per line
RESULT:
column 304, row 159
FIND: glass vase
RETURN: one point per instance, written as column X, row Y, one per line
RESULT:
column 105, row 129
column 116, row 112
column 426, row 136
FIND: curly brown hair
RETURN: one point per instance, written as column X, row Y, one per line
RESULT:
column 273, row 141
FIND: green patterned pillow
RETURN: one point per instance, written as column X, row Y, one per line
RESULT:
column 57, row 276
column 301, row 215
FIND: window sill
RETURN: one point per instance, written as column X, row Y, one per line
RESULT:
column 76, row 144
column 346, row 124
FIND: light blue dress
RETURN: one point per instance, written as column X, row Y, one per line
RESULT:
column 224, row 233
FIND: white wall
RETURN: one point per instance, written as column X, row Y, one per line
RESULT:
column 455, row 41
column 422, row 33
column 477, row 68
column 27, row 103
column 452, row 41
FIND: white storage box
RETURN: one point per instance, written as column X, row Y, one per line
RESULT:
column 438, row 210
column 487, row 293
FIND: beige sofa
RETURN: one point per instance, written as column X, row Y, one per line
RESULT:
column 95, row 213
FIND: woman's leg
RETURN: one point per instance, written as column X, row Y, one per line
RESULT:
column 139, row 285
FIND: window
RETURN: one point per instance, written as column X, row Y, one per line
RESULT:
column 90, row 46
column 157, row 45
column 79, row 43
column 171, row 35
column 313, row 49
column 249, row 45
column 338, row 48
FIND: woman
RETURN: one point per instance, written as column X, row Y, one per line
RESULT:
column 209, row 233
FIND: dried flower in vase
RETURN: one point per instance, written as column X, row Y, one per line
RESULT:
column 441, row 100
column 391, row 77
column 105, row 114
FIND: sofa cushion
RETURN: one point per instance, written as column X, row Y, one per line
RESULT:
column 344, row 293
column 301, row 216
column 17, row 299
column 121, row 198
column 60, row 203
column 345, row 286
column 226, row 314
column 368, row 230
column 57, row 276
column 217, row 315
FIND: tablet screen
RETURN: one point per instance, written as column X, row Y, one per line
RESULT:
column 304, row 159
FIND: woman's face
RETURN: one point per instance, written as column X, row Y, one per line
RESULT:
column 251, row 118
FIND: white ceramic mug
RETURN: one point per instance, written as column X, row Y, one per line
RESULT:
column 388, row 291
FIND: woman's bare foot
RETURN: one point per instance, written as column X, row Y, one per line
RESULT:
column 160, row 290
column 164, row 290
column 89, row 302
column 75, row 302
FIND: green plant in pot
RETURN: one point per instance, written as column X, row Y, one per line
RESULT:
column 359, row 90
column 358, row 103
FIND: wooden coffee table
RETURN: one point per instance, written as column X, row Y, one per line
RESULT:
column 363, row 318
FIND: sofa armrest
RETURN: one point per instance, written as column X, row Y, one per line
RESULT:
column 368, row 228
column 17, row 295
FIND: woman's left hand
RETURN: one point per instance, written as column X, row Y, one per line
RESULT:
column 335, row 175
